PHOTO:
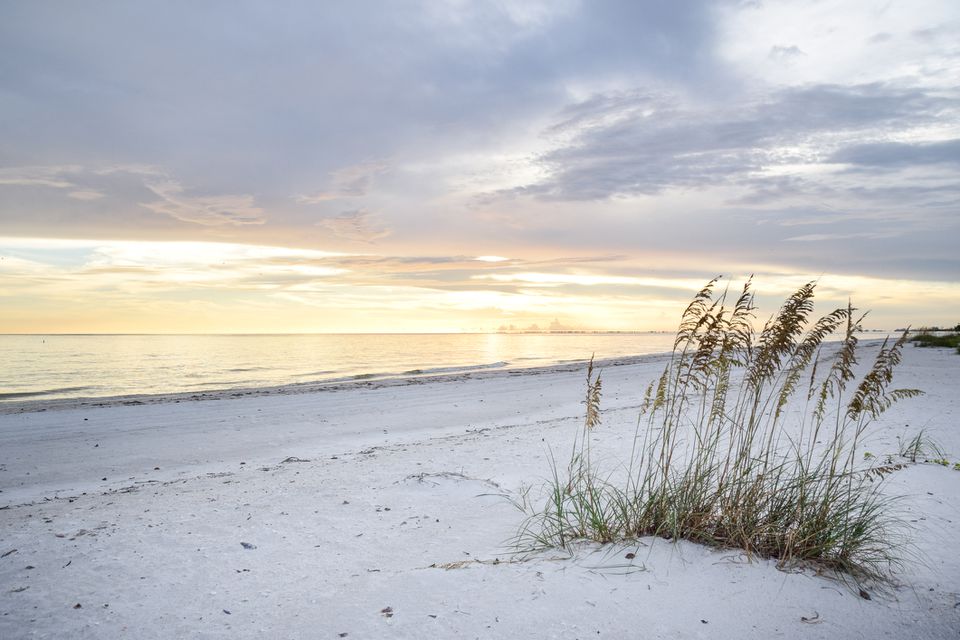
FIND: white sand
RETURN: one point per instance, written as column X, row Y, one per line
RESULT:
column 400, row 477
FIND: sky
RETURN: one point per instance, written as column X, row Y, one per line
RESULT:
column 232, row 166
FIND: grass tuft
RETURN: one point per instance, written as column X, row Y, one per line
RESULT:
column 919, row 447
column 746, row 440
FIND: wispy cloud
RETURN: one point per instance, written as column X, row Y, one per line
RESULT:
column 45, row 176
column 86, row 194
column 358, row 225
column 834, row 237
column 592, row 279
column 348, row 182
column 203, row 210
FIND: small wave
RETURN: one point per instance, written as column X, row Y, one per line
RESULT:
column 221, row 384
column 43, row 392
column 420, row 372
column 353, row 378
column 314, row 373
column 460, row 369
column 245, row 369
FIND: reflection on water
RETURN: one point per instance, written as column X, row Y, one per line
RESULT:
column 71, row 366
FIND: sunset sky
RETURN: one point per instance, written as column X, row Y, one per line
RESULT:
column 460, row 166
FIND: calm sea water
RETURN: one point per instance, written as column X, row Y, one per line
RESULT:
column 74, row 366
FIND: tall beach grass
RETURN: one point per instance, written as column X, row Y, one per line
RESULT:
column 747, row 440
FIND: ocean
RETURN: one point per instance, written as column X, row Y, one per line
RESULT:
column 39, row 367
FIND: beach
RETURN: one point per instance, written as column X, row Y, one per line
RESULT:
column 386, row 509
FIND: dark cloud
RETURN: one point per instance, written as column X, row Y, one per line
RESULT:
column 644, row 143
column 240, row 93
column 861, row 187
column 899, row 154
column 878, row 38
column 936, row 32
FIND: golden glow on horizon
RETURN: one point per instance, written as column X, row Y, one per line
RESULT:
column 70, row 286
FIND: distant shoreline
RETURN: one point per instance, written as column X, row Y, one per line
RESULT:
column 585, row 332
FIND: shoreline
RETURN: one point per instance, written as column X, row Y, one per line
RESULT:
column 375, row 381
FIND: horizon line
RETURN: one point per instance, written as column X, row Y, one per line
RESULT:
column 390, row 333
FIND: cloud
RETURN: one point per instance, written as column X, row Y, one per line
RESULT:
column 143, row 269
column 899, row 154
column 832, row 237
column 880, row 37
column 85, row 194
column 358, row 225
column 592, row 279
column 260, row 91
column 933, row 33
column 49, row 176
column 782, row 53
column 203, row 210
column 127, row 278
column 644, row 144
column 68, row 176
column 348, row 182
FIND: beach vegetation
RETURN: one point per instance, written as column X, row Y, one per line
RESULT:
column 928, row 339
column 919, row 447
column 748, row 439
